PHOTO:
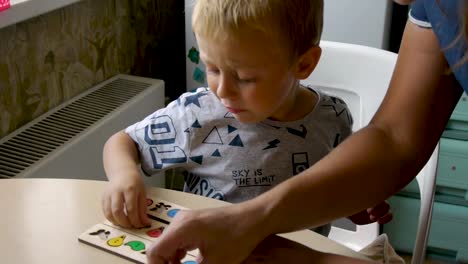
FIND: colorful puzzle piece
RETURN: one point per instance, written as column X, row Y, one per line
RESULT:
column 150, row 233
column 163, row 211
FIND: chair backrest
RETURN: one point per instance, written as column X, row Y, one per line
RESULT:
column 360, row 76
column 427, row 184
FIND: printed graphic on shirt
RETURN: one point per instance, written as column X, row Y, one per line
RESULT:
column 339, row 106
column 236, row 142
column 300, row 162
column 213, row 137
column 272, row 144
column 160, row 134
column 197, row 159
column 337, row 140
column 252, row 178
column 193, row 99
column 231, row 129
column 196, row 124
column 198, row 185
column 229, row 115
column 300, row 133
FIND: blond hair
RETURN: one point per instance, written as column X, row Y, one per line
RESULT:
column 297, row 23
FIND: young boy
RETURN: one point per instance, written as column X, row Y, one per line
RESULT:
column 254, row 127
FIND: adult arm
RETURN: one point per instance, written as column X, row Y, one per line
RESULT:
column 382, row 158
column 368, row 167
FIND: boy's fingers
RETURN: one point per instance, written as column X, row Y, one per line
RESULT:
column 118, row 213
column 105, row 203
column 133, row 212
column 142, row 211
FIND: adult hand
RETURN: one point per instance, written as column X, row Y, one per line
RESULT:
column 223, row 235
column 380, row 213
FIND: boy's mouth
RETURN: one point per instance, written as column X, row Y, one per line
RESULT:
column 234, row 110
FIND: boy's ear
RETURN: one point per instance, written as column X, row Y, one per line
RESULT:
column 307, row 62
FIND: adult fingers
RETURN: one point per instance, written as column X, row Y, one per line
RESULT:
column 361, row 218
column 156, row 256
column 379, row 211
column 386, row 218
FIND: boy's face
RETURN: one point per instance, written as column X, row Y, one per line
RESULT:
column 251, row 75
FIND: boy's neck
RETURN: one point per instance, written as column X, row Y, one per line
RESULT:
column 303, row 103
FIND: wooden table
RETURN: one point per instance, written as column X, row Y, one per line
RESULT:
column 42, row 218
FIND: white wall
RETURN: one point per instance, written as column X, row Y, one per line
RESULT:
column 365, row 22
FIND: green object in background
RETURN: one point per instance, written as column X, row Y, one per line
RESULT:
column 448, row 233
column 194, row 55
column 199, row 75
column 452, row 170
column 459, row 118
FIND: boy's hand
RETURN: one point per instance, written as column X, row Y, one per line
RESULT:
column 124, row 201
column 380, row 213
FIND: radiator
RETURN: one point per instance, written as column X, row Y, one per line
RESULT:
column 67, row 141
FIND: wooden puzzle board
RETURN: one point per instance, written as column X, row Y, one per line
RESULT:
column 132, row 244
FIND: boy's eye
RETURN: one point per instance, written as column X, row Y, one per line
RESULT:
column 212, row 70
column 246, row 80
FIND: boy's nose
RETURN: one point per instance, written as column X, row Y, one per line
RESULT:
column 226, row 88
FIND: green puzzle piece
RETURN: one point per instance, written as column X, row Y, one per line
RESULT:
column 136, row 245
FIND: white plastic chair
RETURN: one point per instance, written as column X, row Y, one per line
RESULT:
column 360, row 76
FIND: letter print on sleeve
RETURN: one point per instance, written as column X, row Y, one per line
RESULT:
column 161, row 135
